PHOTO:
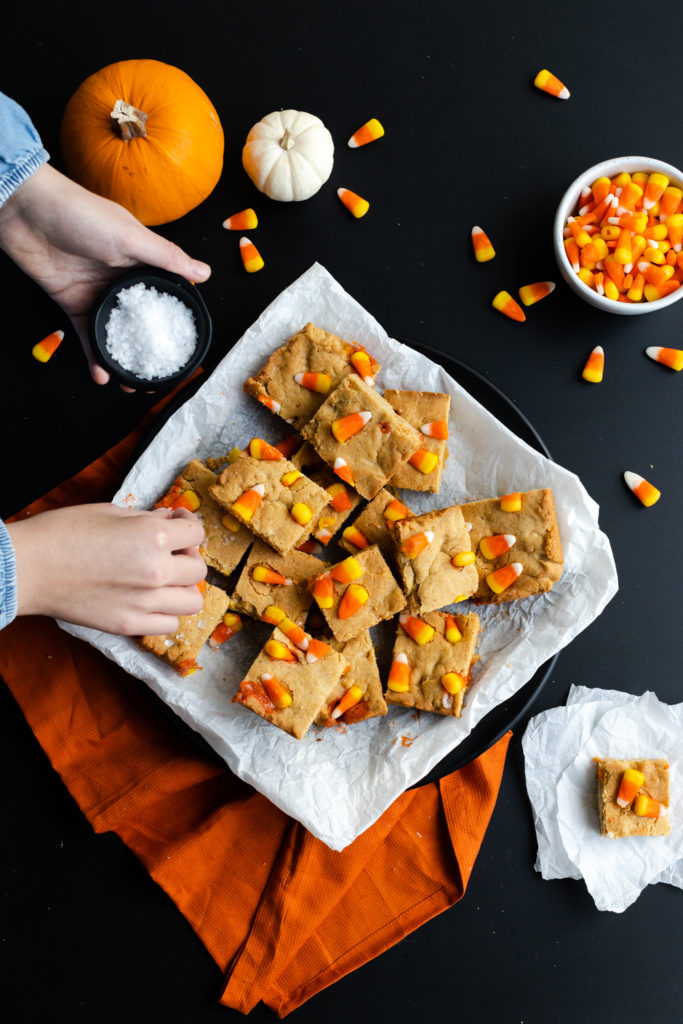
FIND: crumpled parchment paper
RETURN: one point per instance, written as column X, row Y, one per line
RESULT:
column 337, row 783
column 559, row 747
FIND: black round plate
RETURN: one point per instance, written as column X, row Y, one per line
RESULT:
column 516, row 709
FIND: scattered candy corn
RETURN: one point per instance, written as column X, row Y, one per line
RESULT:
column 500, row 579
column 671, row 357
column 340, row 500
column 481, row 243
column 644, row 491
column 437, row 429
column 353, row 696
column 310, row 547
column 631, row 781
column 347, row 571
column 279, row 651
column 260, row 449
column 347, row 426
column 251, row 257
column 452, row 682
column 646, row 807
column 355, row 537
column 316, row 650
column 245, row 220
column 424, row 461
column 262, row 574
column 323, row 591
column 399, row 674
column 230, row 625
column 290, row 477
column 46, row 348
column 395, row 511
column 531, row 293
column 413, row 546
column 496, row 545
column 353, row 203
column 453, row 633
column 463, row 558
column 294, row 633
column 230, row 523
column 363, row 366
column 546, row 81
column 270, row 403
column 595, row 365
column 368, row 132
column 301, row 513
column 421, row 632
column 343, row 470
column 245, row 506
column 355, row 596
column 277, row 691
column 318, row 382
column 273, row 615
column 511, row 502
column 506, row 305
column 189, row 500
column 324, row 530
column 290, row 445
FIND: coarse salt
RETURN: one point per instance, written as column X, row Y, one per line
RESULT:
column 150, row 333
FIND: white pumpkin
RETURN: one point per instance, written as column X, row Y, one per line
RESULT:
column 288, row 155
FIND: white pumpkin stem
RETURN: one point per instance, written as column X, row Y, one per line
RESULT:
column 287, row 142
column 129, row 120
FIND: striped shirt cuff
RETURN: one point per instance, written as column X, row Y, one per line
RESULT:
column 8, row 578
column 9, row 183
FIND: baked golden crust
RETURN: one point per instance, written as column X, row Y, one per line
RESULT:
column 330, row 520
column 384, row 597
column 418, row 408
column 253, row 597
column 180, row 649
column 364, row 674
column 375, row 528
column 430, row 580
column 617, row 822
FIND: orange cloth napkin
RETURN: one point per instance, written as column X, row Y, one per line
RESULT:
column 247, row 878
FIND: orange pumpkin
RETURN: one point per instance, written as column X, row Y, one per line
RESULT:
column 144, row 134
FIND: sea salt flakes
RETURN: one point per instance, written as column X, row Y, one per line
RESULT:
column 150, row 333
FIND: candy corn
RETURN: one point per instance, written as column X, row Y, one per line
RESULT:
column 245, row 507
column 260, row 449
column 46, row 348
column 347, row 426
column 496, row 545
column 452, row 682
column 363, row 367
column 395, row 511
column 230, row 625
column 399, row 674
column 481, row 243
column 343, row 470
column 415, row 545
column 273, row 615
column 324, row 530
column 279, row 651
column 424, row 461
column 262, row 574
column 270, row 403
column 631, row 781
column 646, row 807
column 671, row 357
column 340, row 500
column 290, row 477
column 654, row 189
column 355, row 596
column 453, row 633
column 421, row 632
column 506, row 305
column 294, row 633
column 353, row 202
column 531, row 293
column 547, row 82
column 277, row 691
column 318, row 382
column 316, row 650
column 595, row 365
column 230, row 523
column 290, row 445
column 353, row 696
column 368, row 132
column 323, row 591
column 187, row 667
column 347, row 571
column 644, row 491
column 189, row 500
column 511, row 502
column 463, row 558
column 251, row 257
column 500, row 579
column 301, row 513
column 310, row 547
column 437, row 429
column 245, row 220
column 355, row 537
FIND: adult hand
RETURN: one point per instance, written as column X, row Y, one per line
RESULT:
column 118, row 570
column 73, row 243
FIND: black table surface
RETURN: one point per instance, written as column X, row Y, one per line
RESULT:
column 86, row 935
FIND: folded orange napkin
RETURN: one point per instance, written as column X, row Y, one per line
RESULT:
column 247, row 878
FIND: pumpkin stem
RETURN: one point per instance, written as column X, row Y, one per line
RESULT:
column 129, row 120
column 287, row 142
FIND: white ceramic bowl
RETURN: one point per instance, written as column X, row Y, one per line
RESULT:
column 568, row 204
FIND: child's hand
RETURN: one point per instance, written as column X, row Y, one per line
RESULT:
column 73, row 243
column 114, row 569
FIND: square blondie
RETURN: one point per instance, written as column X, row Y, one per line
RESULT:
column 537, row 547
column 252, row 596
column 226, row 539
column 419, row 681
column 180, row 649
column 426, row 411
column 379, row 591
column 617, row 821
column 271, row 518
column 372, row 454
column 306, row 684
column 430, row 579
column 361, row 673
column 372, row 526
column 310, row 350
column 342, row 500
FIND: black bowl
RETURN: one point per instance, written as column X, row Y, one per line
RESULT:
column 163, row 281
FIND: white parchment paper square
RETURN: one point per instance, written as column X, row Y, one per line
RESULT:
column 338, row 783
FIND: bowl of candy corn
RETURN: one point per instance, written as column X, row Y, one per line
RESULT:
column 618, row 235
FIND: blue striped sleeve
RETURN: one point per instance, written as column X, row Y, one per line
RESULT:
column 8, row 578
column 21, row 149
